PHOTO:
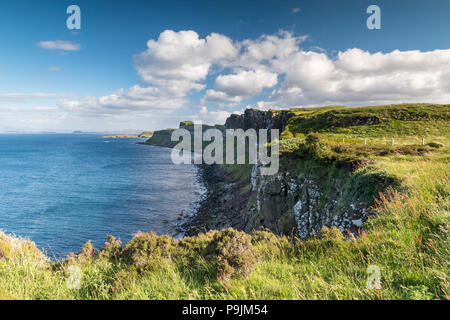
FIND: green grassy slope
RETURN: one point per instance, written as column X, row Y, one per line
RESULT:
column 407, row 238
column 407, row 122
column 143, row 135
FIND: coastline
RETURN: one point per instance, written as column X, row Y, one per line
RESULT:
column 221, row 206
column 217, row 206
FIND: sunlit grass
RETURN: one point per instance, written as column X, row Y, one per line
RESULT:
column 406, row 237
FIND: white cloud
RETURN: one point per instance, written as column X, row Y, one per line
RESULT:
column 268, row 48
column 180, row 63
column 59, row 45
column 360, row 61
column 253, row 70
column 358, row 77
column 246, row 83
column 295, row 10
column 219, row 96
column 212, row 117
column 135, row 99
column 173, row 66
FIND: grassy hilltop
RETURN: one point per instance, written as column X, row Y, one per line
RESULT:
column 406, row 237
column 143, row 135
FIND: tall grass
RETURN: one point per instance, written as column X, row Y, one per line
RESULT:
column 407, row 237
column 408, row 241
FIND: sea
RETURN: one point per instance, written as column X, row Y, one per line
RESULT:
column 62, row 190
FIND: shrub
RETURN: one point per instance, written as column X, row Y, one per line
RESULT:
column 263, row 236
column 233, row 254
column 227, row 253
column 331, row 234
column 368, row 182
column 87, row 252
column 198, row 245
column 313, row 141
column 5, row 250
column 434, row 145
column 419, row 293
column 112, row 249
column 290, row 145
column 146, row 249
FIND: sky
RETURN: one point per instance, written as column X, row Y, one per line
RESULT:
column 146, row 65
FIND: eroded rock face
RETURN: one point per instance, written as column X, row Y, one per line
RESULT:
column 287, row 198
column 255, row 119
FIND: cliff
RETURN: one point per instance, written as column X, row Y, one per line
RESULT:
column 330, row 167
column 256, row 119
column 327, row 179
column 339, row 169
column 163, row 138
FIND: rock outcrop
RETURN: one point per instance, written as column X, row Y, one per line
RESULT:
column 290, row 202
column 295, row 204
column 256, row 119
column 162, row 138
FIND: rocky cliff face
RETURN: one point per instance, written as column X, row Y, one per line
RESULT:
column 162, row 138
column 289, row 203
column 293, row 203
column 256, row 119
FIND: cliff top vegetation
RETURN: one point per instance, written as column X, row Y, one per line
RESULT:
column 406, row 239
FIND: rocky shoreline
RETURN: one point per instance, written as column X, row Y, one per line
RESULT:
column 313, row 189
column 221, row 207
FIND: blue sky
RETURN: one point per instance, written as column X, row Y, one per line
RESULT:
column 227, row 64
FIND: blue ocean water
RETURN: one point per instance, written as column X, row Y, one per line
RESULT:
column 61, row 190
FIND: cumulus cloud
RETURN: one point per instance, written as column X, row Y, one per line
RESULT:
column 212, row 117
column 135, row 99
column 268, row 48
column 219, row 97
column 59, row 45
column 274, row 69
column 171, row 67
column 246, row 83
column 358, row 77
column 253, row 67
column 241, row 85
column 178, row 61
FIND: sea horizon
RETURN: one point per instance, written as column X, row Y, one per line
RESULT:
column 62, row 190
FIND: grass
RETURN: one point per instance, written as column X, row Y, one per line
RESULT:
column 407, row 240
column 143, row 135
column 408, row 123
column 407, row 237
